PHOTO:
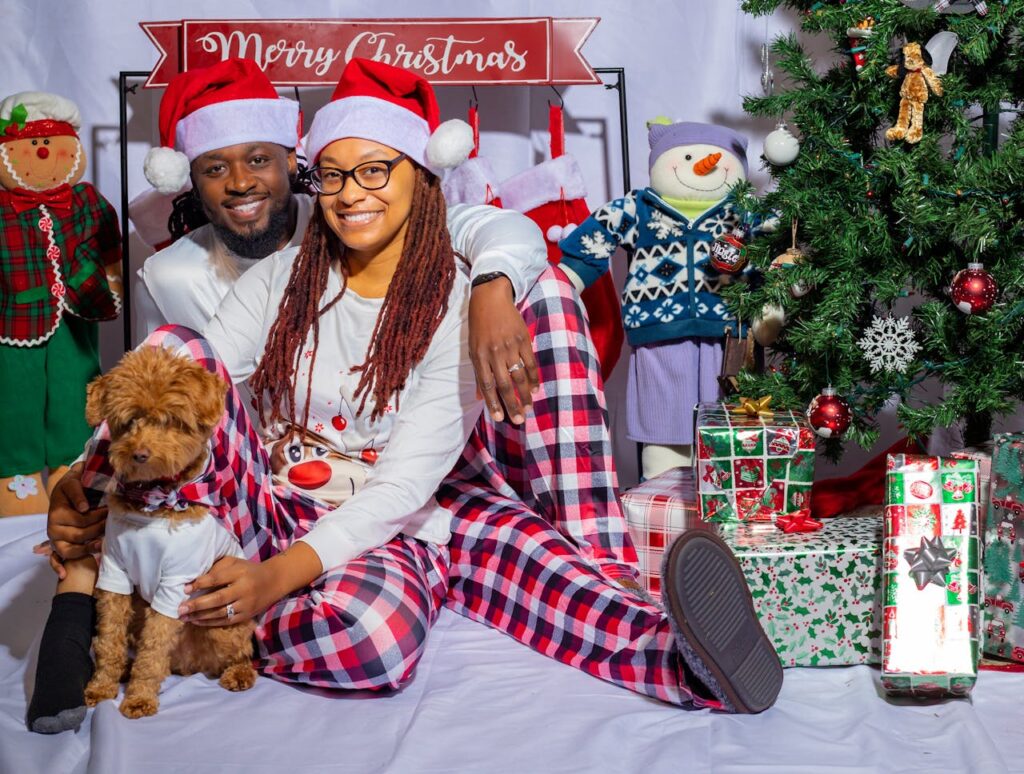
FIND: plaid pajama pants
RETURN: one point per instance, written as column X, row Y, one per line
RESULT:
column 538, row 538
column 538, row 534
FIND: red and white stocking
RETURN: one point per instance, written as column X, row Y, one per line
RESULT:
column 552, row 195
column 473, row 181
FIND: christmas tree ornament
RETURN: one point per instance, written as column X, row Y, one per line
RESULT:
column 889, row 344
column 973, row 289
column 916, row 80
column 857, row 38
column 950, row 6
column 828, row 414
column 780, row 147
column 729, row 252
column 793, row 256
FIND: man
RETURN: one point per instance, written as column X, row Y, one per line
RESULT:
column 239, row 139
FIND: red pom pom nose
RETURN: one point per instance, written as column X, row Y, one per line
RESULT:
column 42, row 151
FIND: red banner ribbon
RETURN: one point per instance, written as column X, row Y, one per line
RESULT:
column 313, row 52
column 798, row 521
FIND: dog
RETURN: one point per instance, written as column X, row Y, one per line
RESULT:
column 161, row 410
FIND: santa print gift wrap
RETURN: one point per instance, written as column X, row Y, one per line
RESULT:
column 1004, row 551
column 931, row 610
column 752, row 468
column 817, row 594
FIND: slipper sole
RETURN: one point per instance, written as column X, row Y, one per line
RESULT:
column 709, row 600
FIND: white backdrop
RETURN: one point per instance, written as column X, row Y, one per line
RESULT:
column 688, row 59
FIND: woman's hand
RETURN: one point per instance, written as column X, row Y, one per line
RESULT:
column 248, row 587
column 501, row 350
column 238, row 582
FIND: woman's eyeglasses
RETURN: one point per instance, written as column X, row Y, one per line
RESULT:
column 370, row 176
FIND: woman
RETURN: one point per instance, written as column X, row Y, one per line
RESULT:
column 366, row 325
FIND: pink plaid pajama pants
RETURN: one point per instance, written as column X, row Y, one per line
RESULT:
column 538, row 538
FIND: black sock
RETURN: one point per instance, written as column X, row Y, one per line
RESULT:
column 65, row 666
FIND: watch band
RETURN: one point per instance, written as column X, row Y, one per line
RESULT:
column 490, row 276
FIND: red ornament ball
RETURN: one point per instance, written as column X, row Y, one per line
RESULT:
column 973, row 289
column 829, row 415
column 729, row 253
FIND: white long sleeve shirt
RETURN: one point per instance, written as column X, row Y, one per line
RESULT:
column 414, row 447
column 185, row 282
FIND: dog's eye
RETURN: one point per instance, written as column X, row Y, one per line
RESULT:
column 294, row 452
column 320, row 451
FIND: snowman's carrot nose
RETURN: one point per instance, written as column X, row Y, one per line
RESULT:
column 706, row 164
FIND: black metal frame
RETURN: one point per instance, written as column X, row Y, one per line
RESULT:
column 124, row 90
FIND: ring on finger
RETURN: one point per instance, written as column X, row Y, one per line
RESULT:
column 515, row 367
column 229, row 611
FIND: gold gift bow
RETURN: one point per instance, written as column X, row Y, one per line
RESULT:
column 754, row 407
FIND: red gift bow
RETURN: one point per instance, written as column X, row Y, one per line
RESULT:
column 58, row 198
column 798, row 521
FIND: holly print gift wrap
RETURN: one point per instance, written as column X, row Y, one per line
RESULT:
column 931, row 610
column 817, row 594
column 752, row 468
column 1004, row 551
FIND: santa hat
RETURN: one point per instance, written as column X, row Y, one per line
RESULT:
column 37, row 114
column 225, row 104
column 392, row 106
column 664, row 135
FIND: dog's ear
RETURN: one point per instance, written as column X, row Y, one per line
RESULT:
column 210, row 395
column 96, row 401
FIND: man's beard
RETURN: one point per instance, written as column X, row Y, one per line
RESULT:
column 258, row 244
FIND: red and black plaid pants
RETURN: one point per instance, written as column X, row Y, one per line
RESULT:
column 538, row 539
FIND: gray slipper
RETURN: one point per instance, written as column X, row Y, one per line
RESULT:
column 713, row 619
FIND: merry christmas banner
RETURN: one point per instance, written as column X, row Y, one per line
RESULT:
column 313, row 52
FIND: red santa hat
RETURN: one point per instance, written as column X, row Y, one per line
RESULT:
column 395, row 107
column 225, row 104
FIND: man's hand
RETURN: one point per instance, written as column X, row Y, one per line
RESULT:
column 501, row 350
column 73, row 528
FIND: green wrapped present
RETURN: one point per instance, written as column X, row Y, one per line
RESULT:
column 932, row 576
column 752, row 466
column 1004, row 551
column 817, row 594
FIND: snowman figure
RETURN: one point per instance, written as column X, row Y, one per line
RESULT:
column 60, row 264
column 683, row 239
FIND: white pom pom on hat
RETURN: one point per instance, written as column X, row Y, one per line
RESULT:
column 395, row 107
column 166, row 169
column 228, row 103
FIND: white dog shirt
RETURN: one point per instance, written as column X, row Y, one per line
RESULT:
column 158, row 556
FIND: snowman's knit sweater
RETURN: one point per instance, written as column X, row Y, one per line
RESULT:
column 672, row 290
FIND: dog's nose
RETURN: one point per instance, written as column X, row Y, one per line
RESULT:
column 141, row 455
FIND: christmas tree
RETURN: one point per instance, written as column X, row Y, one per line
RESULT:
column 884, row 225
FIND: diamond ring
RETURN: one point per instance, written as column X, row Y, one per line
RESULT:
column 515, row 366
column 229, row 611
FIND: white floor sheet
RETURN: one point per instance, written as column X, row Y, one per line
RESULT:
column 481, row 702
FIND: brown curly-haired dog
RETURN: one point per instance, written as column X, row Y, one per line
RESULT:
column 913, row 93
column 160, row 409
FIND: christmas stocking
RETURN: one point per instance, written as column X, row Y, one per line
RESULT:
column 552, row 195
column 473, row 181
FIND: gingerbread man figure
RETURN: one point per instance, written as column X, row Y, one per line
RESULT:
column 60, row 263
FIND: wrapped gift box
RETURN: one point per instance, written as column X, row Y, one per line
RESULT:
column 983, row 454
column 1004, row 551
column 818, row 594
column 752, row 468
column 931, row 610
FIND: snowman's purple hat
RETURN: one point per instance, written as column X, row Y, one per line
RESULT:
column 664, row 136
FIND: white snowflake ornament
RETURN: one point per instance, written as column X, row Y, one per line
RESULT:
column 889, row 344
